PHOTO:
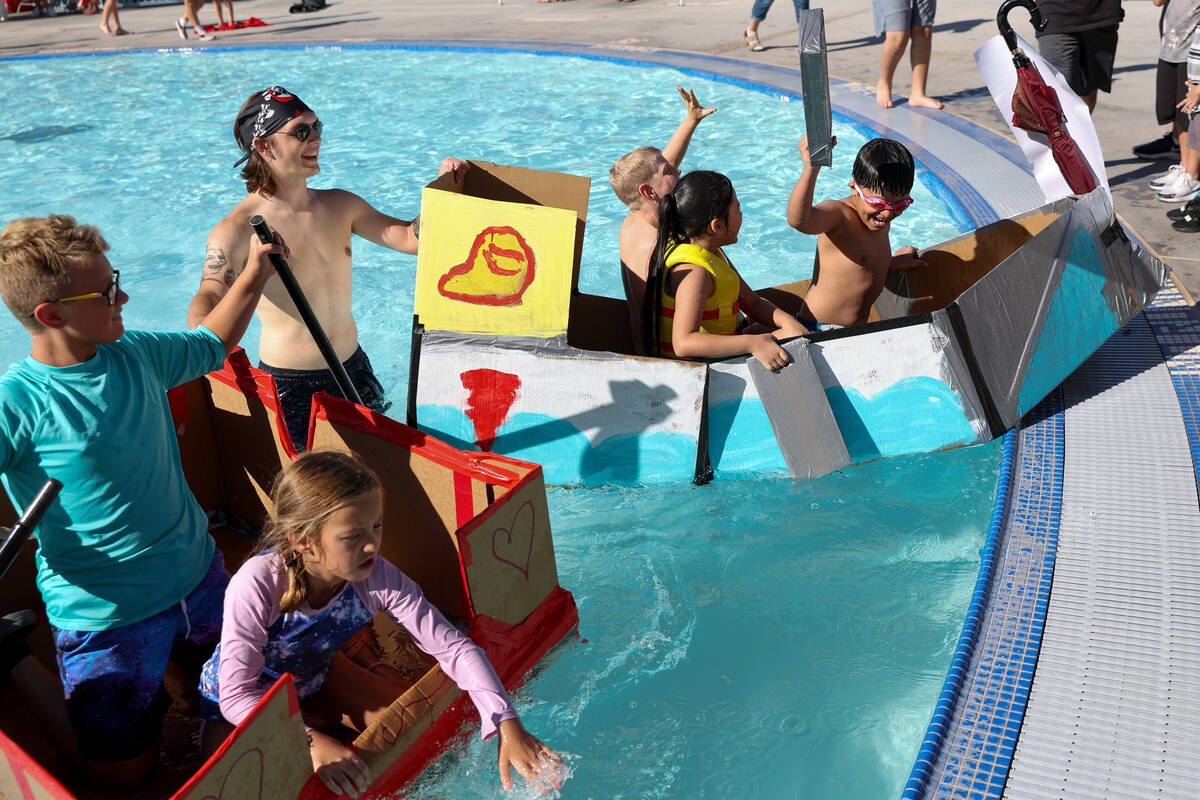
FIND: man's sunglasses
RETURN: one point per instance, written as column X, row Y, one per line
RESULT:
column 879, row 204
column 304, row 130
column 109, row 294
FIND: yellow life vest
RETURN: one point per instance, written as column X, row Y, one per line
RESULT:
column 721, row 309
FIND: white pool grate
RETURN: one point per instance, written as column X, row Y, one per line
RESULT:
column 1114, row 710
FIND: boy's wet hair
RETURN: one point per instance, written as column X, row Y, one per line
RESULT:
column 631, row 171
column 699, row 198
column 255, row 173
column 304, row 496
column 886, row 165
column 39, row 259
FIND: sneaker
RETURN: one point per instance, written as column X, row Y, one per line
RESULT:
column 1189, row 224
column 1193, row 208
column 1184, row 189
column 1166, row 178
column 1163, row 147
column 181, row 26
column 204, row 36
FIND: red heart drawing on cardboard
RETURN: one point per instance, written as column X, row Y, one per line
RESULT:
column 515, row 547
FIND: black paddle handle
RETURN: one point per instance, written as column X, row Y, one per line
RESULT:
column 263, row 231
column 24, row 526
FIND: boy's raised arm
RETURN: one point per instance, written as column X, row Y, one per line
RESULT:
column 232, row 315
column 676, row 149
column 801, row 213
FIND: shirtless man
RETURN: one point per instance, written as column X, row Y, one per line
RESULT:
column 281, row 137
column 853, row 250
column 641, row 178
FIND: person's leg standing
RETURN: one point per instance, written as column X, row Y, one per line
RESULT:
column 920, row 51
column 757, row 14
column 1064, row 51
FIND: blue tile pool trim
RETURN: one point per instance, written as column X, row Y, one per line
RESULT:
column 931, row 745
column 1177, row 330
column 968, row 748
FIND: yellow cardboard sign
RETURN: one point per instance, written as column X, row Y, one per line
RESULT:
column 486, row 266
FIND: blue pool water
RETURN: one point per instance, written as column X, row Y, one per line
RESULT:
column 763, row 639
column 147, row 156
column 745, row 639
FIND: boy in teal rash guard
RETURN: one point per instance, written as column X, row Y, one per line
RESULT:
column 126, row 566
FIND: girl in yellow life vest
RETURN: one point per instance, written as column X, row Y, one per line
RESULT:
column 695, row 298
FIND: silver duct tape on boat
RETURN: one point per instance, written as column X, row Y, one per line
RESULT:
column 814, row 80
column 1041, row 312
column 804, row 425
column 880, row 390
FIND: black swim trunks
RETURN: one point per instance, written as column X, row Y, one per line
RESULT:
column 296, row 387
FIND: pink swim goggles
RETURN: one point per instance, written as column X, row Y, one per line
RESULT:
column 879, row 204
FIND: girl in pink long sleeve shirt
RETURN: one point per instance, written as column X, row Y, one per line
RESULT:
column 291, row 607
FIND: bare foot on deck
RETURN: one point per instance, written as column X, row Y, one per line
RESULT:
column 924, row 101
column 107, row 32
column 883, row 94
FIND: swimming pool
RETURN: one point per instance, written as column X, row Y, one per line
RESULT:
column 846, row 593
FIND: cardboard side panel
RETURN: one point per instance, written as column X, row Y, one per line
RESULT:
column 507, row 554
column 406, row 719
column 588, row 418
column 538, row 187
column 265, row 758
column 600, row 323
column 248, row 427
column 789, row 296
column 486, row 266
column 804, row 425
column 741, row 441
column 898, row 391
column 22, row 778
column 192, row 415
column 1045, row 309
column 1095, row 297
column 419, row 509
column 956, row 264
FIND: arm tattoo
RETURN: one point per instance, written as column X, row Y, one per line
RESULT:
column 217, row 267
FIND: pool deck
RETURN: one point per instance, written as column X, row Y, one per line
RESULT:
column 1077, row 671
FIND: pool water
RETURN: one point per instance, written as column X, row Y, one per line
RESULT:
column 764, row 639
column 147, row 155
column 745, row 639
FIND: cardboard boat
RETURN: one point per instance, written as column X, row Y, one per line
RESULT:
column 509, row 357
column 471, row 528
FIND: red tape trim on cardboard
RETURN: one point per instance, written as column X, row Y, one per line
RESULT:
column 549, row 623
column 238, row 374
column 284, row 684
column 354, row 417
column 24, row 767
